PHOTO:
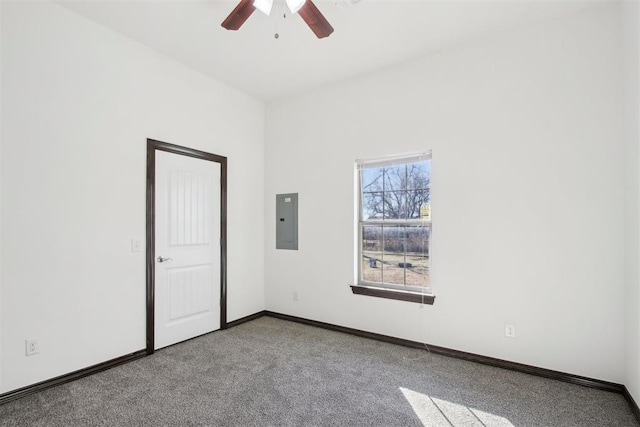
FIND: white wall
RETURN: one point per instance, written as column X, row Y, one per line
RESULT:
column 527, row 193
column 528, row 207
column 79, row 103
column 631, row 45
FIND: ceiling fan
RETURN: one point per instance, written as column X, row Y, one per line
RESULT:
column 305, row 8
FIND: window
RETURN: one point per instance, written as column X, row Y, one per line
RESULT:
column 394, row 228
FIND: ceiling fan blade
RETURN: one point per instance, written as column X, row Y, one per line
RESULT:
column 315, row 20
column 240, row 14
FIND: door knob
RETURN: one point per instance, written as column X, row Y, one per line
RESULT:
column 162, row 259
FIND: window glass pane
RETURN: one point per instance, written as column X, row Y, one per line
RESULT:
column 372, row 206
column 395, row 178
column 417, row 256
column 393, row 255
column 372, row 254
column 384, row 194
column 398, row 253
column 395, row 205
column 416, row 200
column 372, row 179
column 418, row 175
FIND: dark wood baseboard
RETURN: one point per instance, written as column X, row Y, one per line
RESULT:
column 632, row 403
column 25, row 391
column 245, row 319
column 499, row 363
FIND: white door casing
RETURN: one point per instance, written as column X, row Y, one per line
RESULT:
column 187, row 248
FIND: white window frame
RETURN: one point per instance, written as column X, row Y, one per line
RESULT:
column 360, row 222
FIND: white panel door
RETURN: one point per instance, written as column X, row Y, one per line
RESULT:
column 187, row 240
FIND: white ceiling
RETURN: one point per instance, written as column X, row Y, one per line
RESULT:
column 369, row 35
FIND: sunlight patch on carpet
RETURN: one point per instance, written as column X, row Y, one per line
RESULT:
column 435, row 412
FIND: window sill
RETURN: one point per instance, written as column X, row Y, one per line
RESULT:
column 373, row 291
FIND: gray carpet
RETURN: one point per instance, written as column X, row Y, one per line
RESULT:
column 271, row 372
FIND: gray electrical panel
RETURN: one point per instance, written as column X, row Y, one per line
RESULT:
column 287, row 221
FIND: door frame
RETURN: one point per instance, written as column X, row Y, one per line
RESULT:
column 152, row 146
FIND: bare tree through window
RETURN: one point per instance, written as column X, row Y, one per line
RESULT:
column 396, row 192
column 395, row 231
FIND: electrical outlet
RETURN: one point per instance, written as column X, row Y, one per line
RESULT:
column 294, row 296
column 510, row 330
column 135, row 245
column 32, row 346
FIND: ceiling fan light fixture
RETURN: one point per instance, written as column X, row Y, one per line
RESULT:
column 306, row 9
column 295, row 5
column 263, row 6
